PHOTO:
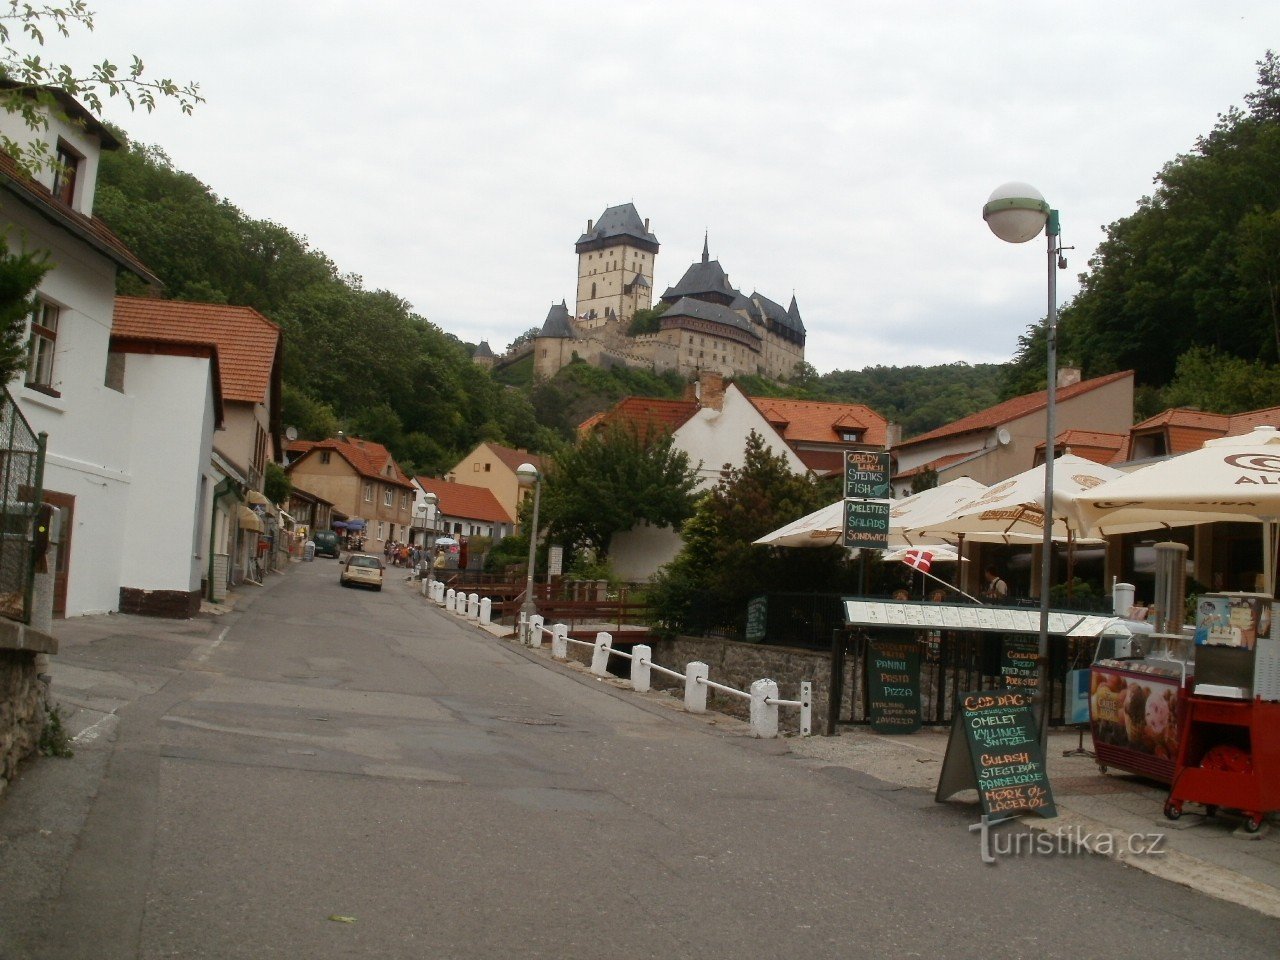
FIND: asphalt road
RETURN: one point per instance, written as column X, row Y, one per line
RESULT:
column 333, row 753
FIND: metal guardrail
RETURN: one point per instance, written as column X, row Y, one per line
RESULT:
column 21, row 494
column 763, row 694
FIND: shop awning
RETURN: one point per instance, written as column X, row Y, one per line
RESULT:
column 255, row 496
column 249, row 520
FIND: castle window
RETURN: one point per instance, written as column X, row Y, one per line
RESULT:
column 593, row 291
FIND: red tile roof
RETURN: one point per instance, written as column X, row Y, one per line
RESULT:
column 465, row 501
column 368, row 458
column 645, row 414
column 935, row 465
column 1013, row 409
column 1090, row 444
column 248, row 343
column 151, row 337
column 514, row 458
column 815, row 421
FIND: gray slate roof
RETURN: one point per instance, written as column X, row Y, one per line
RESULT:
column 704, row 277
column 789, row 318
column 620, row 221
column 713, row 312
column 557, row 322
column 484, row 350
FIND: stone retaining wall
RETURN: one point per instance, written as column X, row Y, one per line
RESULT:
column 738, row 665
column 22, row 710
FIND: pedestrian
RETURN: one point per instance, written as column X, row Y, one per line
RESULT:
column 996, row 589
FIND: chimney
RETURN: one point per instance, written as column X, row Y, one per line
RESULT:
column 1067, row 376
column 711, row 390
column 589, row 222
column 646, row 224
column 892, row 435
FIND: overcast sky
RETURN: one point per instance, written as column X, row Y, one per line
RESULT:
column 453, row 152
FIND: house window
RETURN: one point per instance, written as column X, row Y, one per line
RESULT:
column 368, row 496
column 476, row 466
column 65, row 173
column 404, row 499
column 851, row 436
column 382, row 530
column 44, row 338
column 324, row 456
column 487, row 466
column 388, row 497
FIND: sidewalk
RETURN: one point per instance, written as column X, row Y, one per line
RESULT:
column 1212, row 855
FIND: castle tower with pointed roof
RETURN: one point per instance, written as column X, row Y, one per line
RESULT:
column 615, row 269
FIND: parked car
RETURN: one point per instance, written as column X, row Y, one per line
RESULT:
column 326, row 543
column 363, row 569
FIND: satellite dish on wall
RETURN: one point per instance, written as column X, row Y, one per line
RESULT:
column 291, row 433
column 1003, row 437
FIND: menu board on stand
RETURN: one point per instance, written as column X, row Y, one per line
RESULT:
column 995, row 749
column 893, row 686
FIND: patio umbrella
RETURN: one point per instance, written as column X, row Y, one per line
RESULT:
column 1012, row 511
column 1228, row 479
column 825, row 527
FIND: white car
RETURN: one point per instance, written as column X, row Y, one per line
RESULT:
column 363, row 569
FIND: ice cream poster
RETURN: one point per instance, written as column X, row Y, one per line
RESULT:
column 1139, row 715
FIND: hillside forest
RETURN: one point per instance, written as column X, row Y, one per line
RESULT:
column 1185, row 291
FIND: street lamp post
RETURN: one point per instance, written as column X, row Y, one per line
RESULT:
column 527, row 474
column 429, row 504
column 1017, row 212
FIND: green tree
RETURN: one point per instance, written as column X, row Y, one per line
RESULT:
column 1196, row 264
column 719, row 568
column 1218, row 382
column 612, row 481
column 926, row 479
column 20, row 274
column 276, row 484
column 647, row 320
column 29, row 76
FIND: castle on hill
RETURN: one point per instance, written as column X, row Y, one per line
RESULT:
column 707, row 324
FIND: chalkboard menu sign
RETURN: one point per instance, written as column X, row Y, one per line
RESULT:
column 995, row 749
column 866, row 475
column 893, row 686
column 1019, row 664
column 866, row 524
column 757, row 619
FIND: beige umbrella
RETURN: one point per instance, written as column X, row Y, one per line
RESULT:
column 825, row 527
column 1012, row 511
column 1231, row 478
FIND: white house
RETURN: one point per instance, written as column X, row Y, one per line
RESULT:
column 713, row 430
column 68, row 391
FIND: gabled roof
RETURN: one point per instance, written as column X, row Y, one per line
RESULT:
column 700, row 279
column 783, row 317
column 1011, row 410
column 367, row 457
column 557, row 323
column 146, row 334
column 484, row 350
column 465, row 501
column 616, row 223
column 1185, row 430
column 89, row 229
column 249, row 344
column 711, row 312
column 512, row 458
column 645, row 414
column 813, row 421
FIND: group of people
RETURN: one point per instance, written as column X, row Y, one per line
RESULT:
column 402, row 554
column 994, row 589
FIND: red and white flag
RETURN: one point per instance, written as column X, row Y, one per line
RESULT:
column 919, row 559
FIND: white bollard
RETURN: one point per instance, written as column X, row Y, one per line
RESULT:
column 695, row 693
column 473, row 606
column 440, row 593
column 486, row 611
column 448, row 599
column 535, row 630
column 600, row 656
column 423, row 587
column 764, row 716
column 560, row 641
column 806, row 708
column 521, row 634
column 641, row 660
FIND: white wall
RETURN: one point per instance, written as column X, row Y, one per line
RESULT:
column 713, row 438
column 89, row 425
column 171, row 444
